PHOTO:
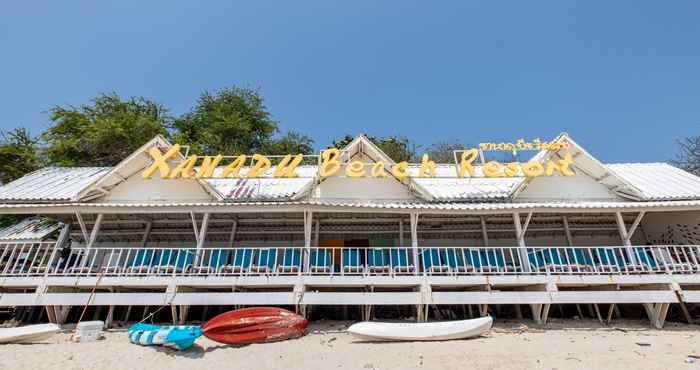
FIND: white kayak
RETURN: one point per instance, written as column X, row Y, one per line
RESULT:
column 28, row 334
column 443, row 330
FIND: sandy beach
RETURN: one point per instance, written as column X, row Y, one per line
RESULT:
column 565, row 344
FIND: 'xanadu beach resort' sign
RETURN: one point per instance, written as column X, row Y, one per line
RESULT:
column 330, row 164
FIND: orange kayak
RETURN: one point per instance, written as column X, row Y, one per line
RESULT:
column 254, row 325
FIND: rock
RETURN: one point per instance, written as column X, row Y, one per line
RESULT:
column 642, row 344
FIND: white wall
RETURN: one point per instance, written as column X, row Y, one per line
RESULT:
column 579, row 187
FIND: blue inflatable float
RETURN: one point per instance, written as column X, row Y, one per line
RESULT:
column 180, row 337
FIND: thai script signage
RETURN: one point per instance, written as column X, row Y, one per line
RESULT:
column 330, row 164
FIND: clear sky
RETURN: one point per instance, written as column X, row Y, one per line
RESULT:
column 622, row 77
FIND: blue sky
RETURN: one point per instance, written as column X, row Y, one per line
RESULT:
column 622, row 77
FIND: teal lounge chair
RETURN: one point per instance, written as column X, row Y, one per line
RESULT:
column 378, row 261
column 266, row 262
column 242, row 259
column 536, row 259
column 171, row 261
column 143, row 261
column 455, row 261
column 433, row 261
column 492, row 262
column 352, row 263
column 608, row 261
column 400, row 263
column 212, row 261
column 645, row 261
column 664, row 257
column 291, row 261
column 579, row 259
column 321, row 261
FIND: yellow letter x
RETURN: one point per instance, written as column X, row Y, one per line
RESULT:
column 160, row 161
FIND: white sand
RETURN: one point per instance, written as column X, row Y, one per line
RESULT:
column 562, row 345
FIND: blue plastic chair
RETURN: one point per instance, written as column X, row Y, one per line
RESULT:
column 580, row 259
column 536, row 259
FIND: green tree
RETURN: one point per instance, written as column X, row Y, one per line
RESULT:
column 443, row 151
column 688, row 157
column 19, row 154
column 104, row 132
column 398, row 148
column 230, row 121
column 291, row 143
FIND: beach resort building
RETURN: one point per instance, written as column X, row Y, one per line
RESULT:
column 353, row 228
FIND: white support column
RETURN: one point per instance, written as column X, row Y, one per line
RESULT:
column 83, row 228
column 317, row 233
column 414, row 241
column 63, row 238
column 520, row 230
column 484, row 233
column 202, row 237
column 95, row 230
column 308, row 225
column 91, row 239
column 567, row 231
column 146, row 234
column 232, row 235
column 194, row 226
column 401, row 243
column 626, row 234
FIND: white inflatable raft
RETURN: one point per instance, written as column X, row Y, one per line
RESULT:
column 443, row 330
column 28, row 334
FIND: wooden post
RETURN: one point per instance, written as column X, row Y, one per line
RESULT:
column 202, row 237
column 308, row 220
column 401, row 244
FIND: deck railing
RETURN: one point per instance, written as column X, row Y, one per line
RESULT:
column 44, row 259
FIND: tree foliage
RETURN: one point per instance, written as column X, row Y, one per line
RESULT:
column 18, row 154
column 688, row 157
column 231, row 121
column 443, row 151
column 104, row 132
column 291, row 143
column 398, row 148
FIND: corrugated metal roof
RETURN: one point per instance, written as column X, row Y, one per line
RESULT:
column 469, row 189
column 418, row 206
column 34, row 229
column 260, row 189
column 51, row 184
column 659, row 181
column 656, row 181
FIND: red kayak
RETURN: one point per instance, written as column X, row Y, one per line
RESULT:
column 254, row 325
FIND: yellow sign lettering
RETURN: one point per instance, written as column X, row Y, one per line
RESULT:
column 234, row 168
column 330, row 162
column 286, row 169
column 468, row 157
column 355, row 169
column 260, row 165
column 160, row 161
column 184, row 169
column 206, row 170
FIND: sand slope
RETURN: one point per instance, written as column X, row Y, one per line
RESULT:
column 510, row 345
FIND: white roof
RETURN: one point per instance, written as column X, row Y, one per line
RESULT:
column 33, row 229
column 51, row 184
column 659, row 181
column 637, row 182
